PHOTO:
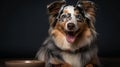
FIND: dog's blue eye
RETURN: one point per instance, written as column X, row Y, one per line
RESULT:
column 79, row 18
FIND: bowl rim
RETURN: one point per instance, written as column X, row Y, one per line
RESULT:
column 23, row 62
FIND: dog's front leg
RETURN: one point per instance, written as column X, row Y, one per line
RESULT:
column 92, row 65
column 89, row 65
column 48, row 57
column 48, row 64
column 94, row 62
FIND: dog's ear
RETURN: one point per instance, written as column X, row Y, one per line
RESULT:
column 89, row 9
column 54, row 7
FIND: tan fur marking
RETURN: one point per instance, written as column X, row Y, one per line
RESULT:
column 65, row 11
column 56, row 33
column 87, row 33
column 76, row 12
column 89, row 65
column 60, row 40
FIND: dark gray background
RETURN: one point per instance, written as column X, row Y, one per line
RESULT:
column 24, row 25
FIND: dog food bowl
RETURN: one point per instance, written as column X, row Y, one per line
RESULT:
column 24, row 63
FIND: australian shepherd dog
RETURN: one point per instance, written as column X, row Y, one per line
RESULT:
column 72, row 35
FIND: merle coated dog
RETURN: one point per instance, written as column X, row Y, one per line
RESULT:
column 72, row 35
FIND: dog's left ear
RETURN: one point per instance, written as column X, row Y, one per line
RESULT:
column 89, row 9
column 54, row 7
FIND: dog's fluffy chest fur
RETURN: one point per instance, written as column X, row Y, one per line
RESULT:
column 73, row 59
column 57, row 56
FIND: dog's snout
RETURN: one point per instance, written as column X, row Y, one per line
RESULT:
column 70, row 26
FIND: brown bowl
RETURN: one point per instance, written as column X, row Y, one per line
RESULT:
column 24, row 63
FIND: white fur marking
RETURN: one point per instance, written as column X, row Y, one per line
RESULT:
column 72, row 59
column 70, row 9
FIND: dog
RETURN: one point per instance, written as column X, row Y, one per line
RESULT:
column 72, row 35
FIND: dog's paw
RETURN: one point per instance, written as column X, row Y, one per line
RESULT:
column 92, row 65
column 89, row 65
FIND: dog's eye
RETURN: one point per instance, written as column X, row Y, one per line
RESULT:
column 64, row 16
column 69, row 15
column 78, row 16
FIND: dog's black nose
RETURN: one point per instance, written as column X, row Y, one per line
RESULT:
column 70, row 26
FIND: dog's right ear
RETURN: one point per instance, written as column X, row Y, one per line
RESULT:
column 54, row 7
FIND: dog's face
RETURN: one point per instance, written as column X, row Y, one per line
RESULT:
column 72, row 27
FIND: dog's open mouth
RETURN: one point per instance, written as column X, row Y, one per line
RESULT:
column 70, row 36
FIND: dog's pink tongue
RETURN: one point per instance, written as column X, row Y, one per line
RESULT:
column 70, row 39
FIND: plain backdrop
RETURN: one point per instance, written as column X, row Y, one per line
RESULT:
column 24, row 26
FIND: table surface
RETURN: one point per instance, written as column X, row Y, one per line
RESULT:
column 106, row 62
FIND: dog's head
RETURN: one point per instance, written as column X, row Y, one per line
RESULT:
column 72, row 24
